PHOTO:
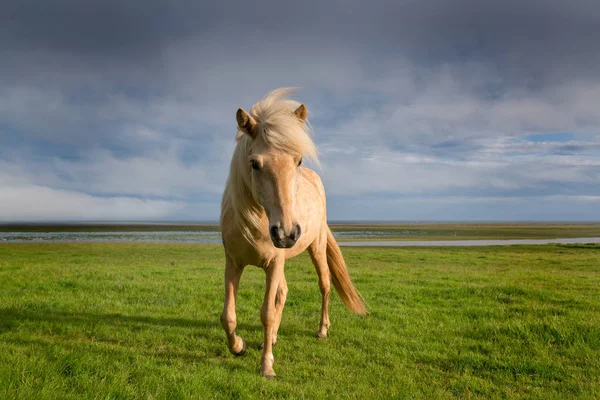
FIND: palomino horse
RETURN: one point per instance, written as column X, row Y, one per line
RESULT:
column 274, row 209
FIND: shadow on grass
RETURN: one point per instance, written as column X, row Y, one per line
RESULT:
column 10, row 316
column 187, row 340
column 85, row 324
column 81, row 339
column 88, row 355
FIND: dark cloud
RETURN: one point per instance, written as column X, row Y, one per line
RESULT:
column 525, row 33
column 107, row 28
column 417, row 96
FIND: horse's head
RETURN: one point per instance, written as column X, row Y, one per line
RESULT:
column 274, row 178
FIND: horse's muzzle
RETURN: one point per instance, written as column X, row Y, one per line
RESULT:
column 283, row 241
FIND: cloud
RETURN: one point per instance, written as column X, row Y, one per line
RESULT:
column 408, row 98
column 164, row 175
column 31, row 203
column 466, row 208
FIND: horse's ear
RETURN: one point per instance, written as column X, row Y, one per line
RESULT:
column 246, row 123
column 301, row 112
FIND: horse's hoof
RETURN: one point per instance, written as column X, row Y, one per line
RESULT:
column 241, row 352
column 268, row 376
column 321, row 335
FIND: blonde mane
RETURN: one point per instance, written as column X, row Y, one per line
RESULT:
column 279, row 127
column 281, row 130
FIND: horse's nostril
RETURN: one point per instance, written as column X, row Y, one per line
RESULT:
column 296, row 233
column 275, row 232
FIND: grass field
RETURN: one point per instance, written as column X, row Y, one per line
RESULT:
column 128, row 321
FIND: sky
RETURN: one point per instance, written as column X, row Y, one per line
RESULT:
column 421, row 110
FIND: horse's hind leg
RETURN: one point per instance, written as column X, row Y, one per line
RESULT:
column 236, row 344
column 318, row 254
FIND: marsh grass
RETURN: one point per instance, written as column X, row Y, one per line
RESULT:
column 123, row 321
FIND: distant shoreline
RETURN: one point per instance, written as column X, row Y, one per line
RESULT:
column 587, row 241
column 345, row 231
column 355, row 223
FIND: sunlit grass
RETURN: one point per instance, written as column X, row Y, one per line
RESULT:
column 105, row 320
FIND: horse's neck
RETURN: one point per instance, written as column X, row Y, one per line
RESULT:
column 249, row 214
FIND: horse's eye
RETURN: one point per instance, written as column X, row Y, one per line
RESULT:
column 300, row 162
column 255, row 165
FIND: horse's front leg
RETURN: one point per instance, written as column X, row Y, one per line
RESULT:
column 236, row 344
column 282, row 291
column 268, row 315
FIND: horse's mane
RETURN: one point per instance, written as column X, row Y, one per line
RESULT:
column 280, row 129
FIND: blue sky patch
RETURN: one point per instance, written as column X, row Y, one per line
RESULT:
column 551, row 137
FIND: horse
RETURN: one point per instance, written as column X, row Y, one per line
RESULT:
column 273, row 209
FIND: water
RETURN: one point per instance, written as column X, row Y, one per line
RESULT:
column 205, row 237
column 201, row 237
column 214, row 237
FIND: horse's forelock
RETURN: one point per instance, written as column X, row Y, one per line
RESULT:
column 280, row 127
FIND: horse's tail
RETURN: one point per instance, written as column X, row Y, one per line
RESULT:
column 340, row 278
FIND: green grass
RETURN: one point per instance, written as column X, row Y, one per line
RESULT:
column 128, row 321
